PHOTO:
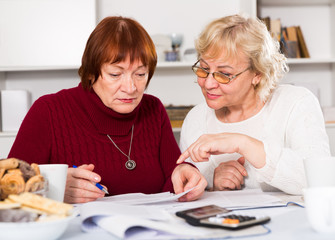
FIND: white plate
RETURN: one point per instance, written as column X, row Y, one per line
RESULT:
column 34, row 230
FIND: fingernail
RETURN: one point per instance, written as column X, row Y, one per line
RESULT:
column 96, row 179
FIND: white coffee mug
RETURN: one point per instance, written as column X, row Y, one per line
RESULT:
column 320, row 207
column 56, row 175
column 320, row 171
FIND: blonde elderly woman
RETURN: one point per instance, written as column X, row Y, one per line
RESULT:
column 251, row 132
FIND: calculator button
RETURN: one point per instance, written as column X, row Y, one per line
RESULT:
column 235, row 219
column 230, row 221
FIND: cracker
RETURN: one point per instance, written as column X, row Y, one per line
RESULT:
column 9, row 205
column 33, row 210
column 44, row 204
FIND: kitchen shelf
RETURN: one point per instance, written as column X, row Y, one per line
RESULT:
column 310, row 60
column 174, row 64
column 37, row 68
column 176, row 129
column 53, row 68
column 8, row 134
column 294, row 3
column 160, row 65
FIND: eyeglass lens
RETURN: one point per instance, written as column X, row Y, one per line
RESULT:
column 217, row 76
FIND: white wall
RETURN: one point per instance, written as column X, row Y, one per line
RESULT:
column 44, row 32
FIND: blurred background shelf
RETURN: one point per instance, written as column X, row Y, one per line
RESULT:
column 37, row 68
column 160, row 65
column 310, row 61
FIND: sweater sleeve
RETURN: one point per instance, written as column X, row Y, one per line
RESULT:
column 33, row 141
column 193, row 127
column 169, row 150
column 305, row 137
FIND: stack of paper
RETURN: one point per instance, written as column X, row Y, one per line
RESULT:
column 142, row 216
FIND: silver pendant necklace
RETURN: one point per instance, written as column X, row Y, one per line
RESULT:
column 130, row 164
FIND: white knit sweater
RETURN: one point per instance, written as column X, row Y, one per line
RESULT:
column 290, row 125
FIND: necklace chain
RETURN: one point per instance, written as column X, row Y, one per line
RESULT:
column 130, row 164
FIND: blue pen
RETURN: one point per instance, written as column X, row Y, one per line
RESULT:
column 97, row 184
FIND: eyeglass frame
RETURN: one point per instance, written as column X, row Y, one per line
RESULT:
column 229, row 78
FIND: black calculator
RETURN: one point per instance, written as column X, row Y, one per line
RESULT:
column 217, row 217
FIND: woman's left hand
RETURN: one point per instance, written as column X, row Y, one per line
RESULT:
column 229, row 175
column 214, row 144
column 185, row 177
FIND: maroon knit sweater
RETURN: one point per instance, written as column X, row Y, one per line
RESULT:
column 71, row 127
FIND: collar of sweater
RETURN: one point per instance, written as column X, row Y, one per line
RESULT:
column 104, row 119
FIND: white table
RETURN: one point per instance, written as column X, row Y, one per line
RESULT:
column 286, row 223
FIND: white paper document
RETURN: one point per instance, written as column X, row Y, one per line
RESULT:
column 152, row 216
column 252, row 198
column 141, row 198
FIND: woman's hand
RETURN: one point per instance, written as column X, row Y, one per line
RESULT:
column 80, row 186
column 214, row 144
column 185, row 177
column 229, row 175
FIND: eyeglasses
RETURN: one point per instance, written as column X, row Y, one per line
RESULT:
column 219, row 77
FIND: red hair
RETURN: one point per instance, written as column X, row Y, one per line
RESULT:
column 112, row 41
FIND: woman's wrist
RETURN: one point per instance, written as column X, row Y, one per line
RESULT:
column 253, row 151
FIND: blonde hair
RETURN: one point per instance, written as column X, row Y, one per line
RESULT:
column 249, row 35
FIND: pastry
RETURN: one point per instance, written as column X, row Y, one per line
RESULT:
column 11, row 184
column 9, row 163
column 26, row 170
column 17, row 176
column 34, row 183
column 2, row 172
column 14, row 171
column 36, row 168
